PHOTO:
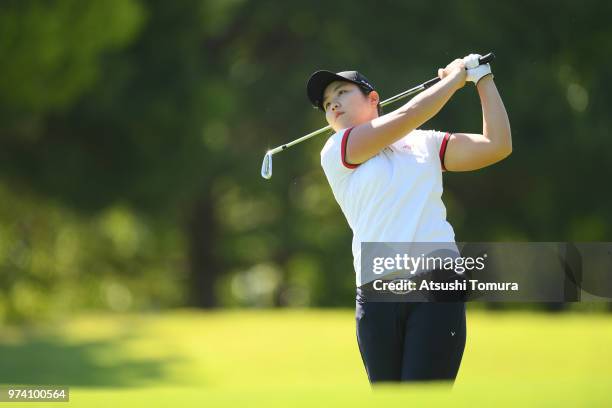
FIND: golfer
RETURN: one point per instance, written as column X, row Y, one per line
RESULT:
column 386, row 175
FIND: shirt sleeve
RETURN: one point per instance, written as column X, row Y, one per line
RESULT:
column 436, row 144
column 333, row 158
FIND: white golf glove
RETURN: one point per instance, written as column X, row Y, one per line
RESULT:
column 476, row 72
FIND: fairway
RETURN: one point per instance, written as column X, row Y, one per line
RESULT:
column 301, row 358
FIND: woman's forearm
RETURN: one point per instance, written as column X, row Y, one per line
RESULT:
column 495, row 123
column 427, row 104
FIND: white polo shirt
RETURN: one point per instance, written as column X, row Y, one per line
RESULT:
column 395, row 196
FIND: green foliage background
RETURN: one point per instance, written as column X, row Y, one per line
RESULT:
column 132, row 133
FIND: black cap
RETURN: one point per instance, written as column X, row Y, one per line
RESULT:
column 320, row 79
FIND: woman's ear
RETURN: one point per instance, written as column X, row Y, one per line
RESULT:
column 374, row 98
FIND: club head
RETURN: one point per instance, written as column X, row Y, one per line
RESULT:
column 266, row 166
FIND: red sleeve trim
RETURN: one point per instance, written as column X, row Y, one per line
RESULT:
column 343, row 150
column 443, row 150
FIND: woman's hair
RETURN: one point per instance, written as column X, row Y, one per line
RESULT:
column 365, row 91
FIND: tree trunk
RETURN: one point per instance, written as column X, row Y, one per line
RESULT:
column 204, row 268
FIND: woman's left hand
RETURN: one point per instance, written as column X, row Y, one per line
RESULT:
column 456, row 70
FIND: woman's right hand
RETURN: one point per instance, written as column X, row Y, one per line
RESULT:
column 456, row 72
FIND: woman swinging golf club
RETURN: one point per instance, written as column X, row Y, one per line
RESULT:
column 386, row 175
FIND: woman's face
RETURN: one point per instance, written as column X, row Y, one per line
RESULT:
column 345, row 105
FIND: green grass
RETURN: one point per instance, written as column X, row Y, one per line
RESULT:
column 302, row 358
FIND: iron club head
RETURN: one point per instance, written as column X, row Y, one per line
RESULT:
column 266, row 166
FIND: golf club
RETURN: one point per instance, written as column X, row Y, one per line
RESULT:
column 266, row 166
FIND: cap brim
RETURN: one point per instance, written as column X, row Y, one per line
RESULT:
column 317, row 84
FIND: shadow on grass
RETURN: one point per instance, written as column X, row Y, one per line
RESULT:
column 53, row 361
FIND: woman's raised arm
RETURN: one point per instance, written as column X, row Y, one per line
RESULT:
column 367, row 139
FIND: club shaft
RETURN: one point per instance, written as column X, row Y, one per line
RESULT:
column 328, row 127
column 484, row 60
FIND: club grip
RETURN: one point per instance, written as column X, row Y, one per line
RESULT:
column 485, row 59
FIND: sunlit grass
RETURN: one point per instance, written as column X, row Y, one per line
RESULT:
column 302, row 358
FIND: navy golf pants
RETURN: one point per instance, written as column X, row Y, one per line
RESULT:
column 410, row 341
